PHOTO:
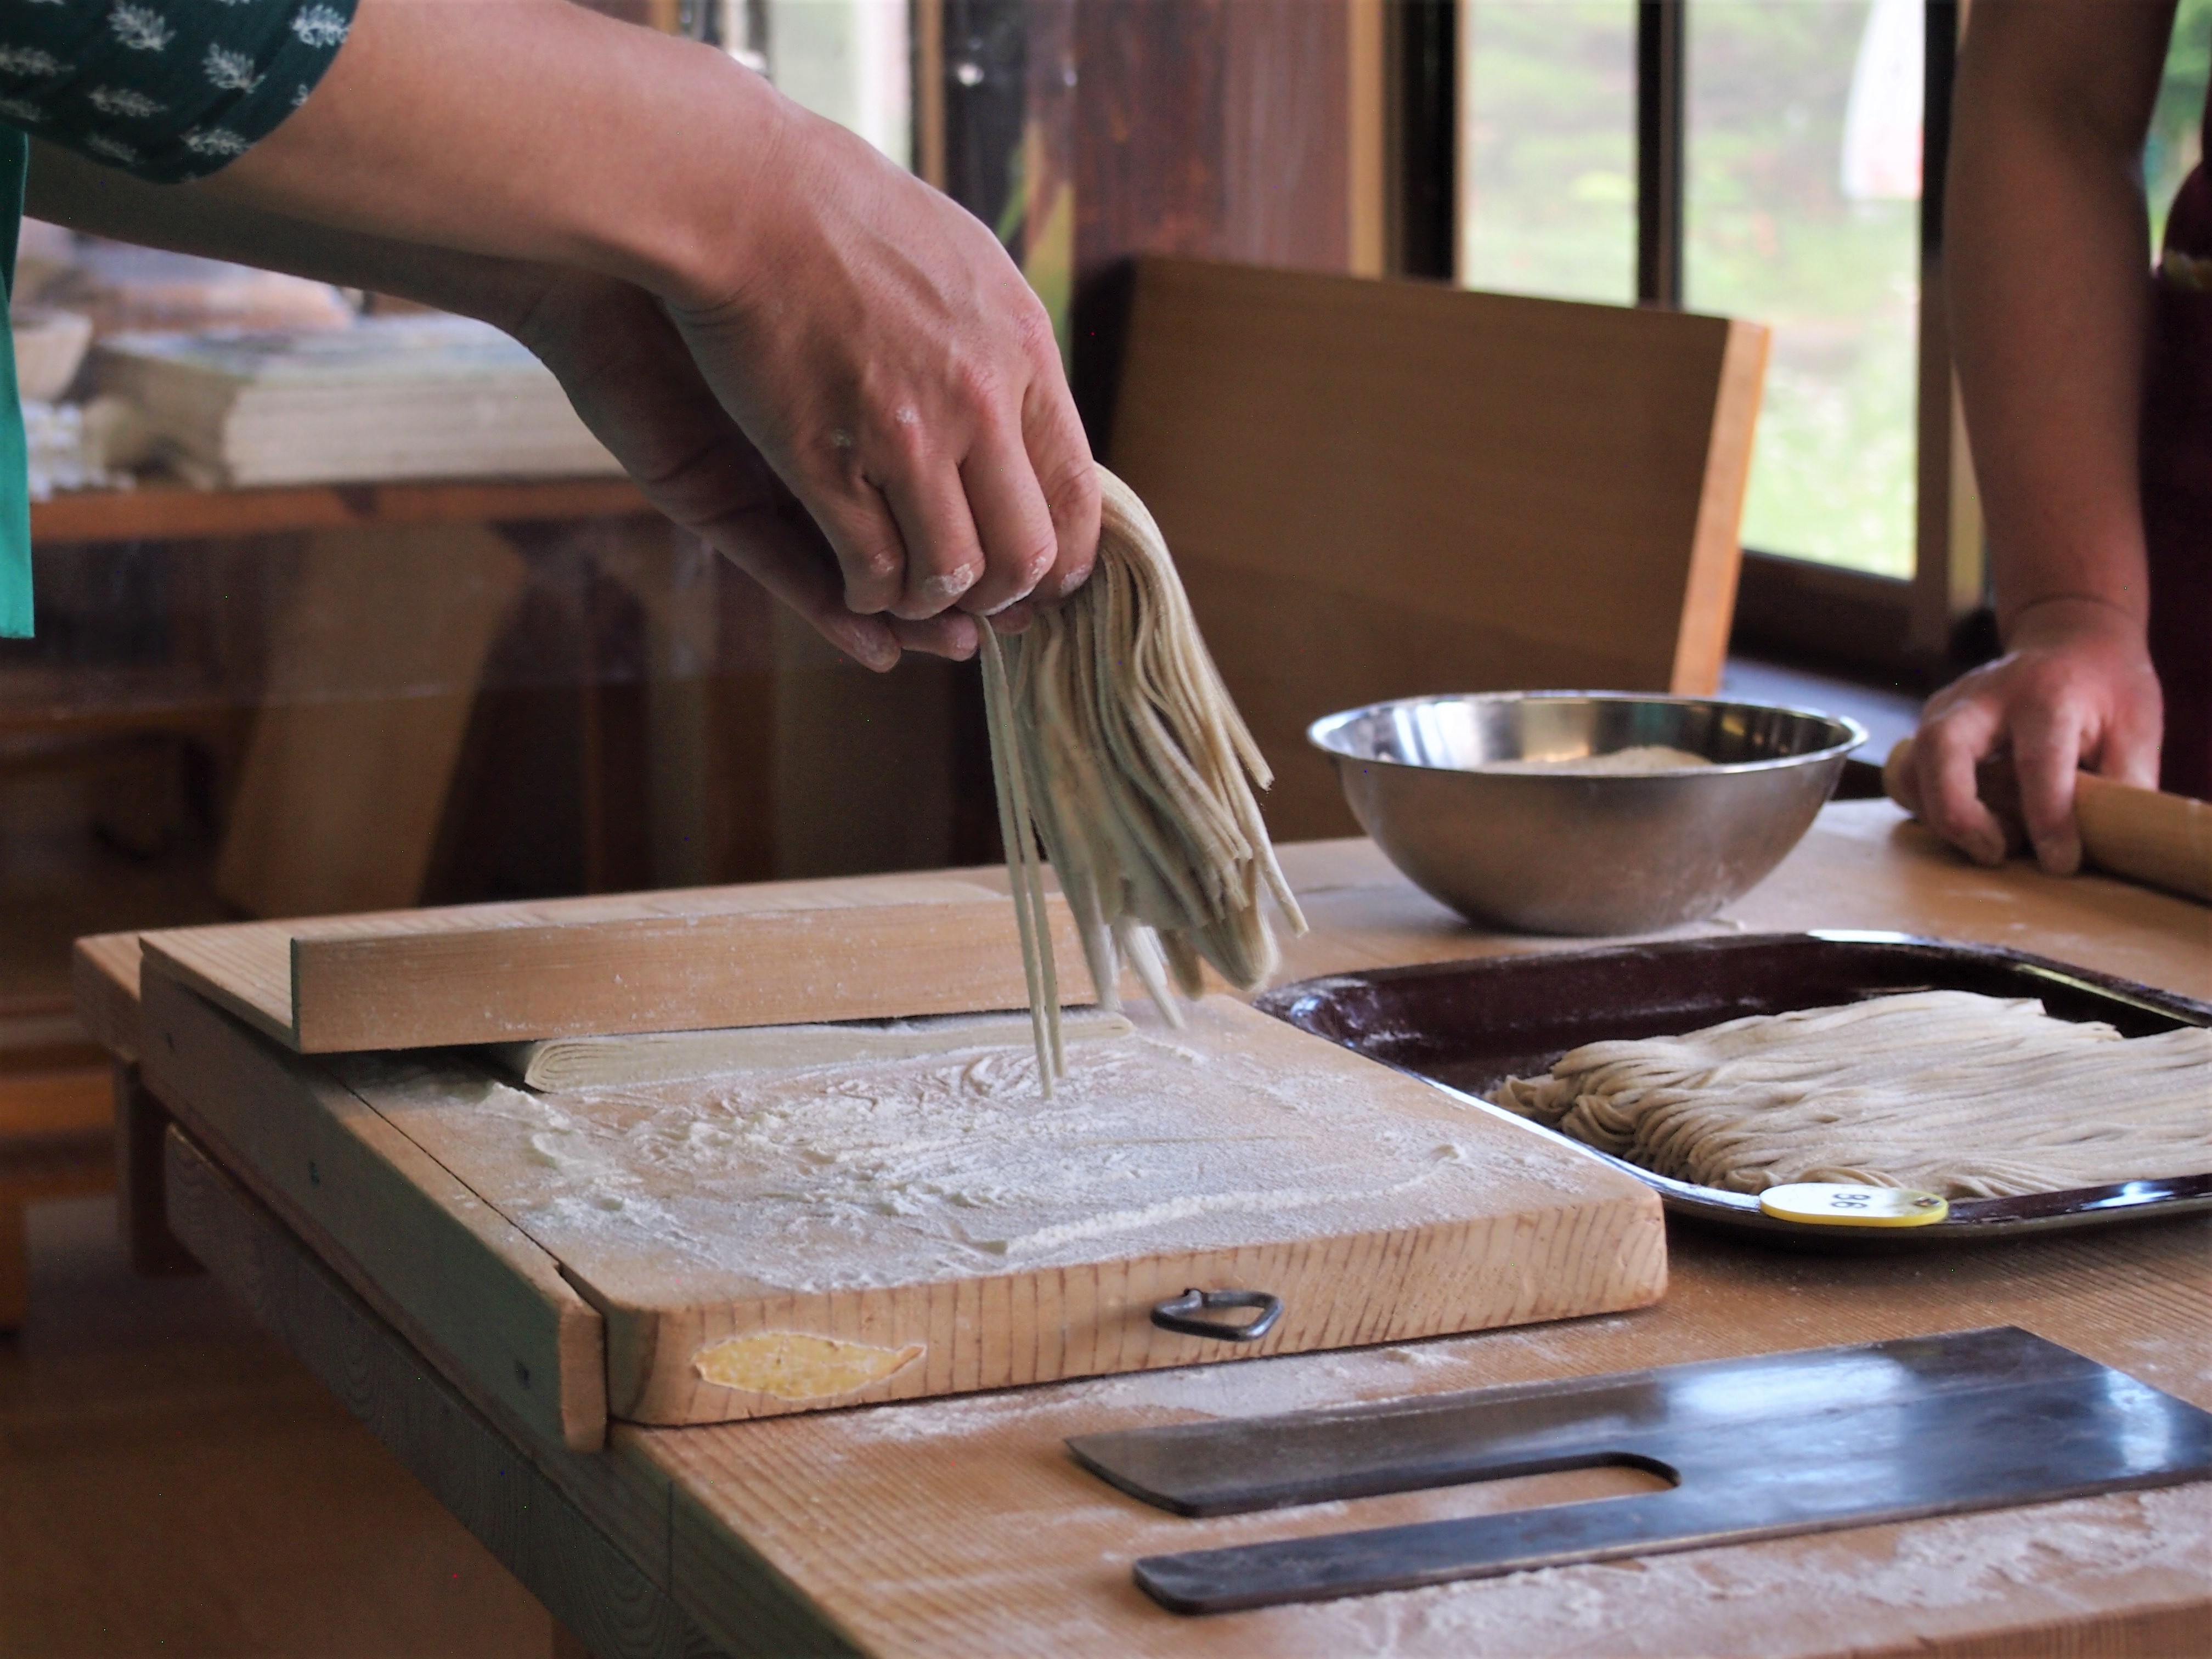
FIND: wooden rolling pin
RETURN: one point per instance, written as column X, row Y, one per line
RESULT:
column 2139, row 835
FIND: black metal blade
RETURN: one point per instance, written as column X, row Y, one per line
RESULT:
column 1759, row 1448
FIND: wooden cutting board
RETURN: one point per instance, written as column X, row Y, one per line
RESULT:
column 751, row 1246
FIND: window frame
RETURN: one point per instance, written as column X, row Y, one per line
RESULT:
column 1899, row 631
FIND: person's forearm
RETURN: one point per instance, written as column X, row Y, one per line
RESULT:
column 2046, row 250
column 68, row 190
column 529, row 130
column 825, row 312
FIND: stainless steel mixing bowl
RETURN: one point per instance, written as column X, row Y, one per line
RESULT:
column 1547, row 851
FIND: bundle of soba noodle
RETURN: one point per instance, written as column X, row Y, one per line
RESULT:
column 1114, row 743
column 1968, row 1095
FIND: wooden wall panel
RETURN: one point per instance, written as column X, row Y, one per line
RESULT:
column 1248, row 129
column 379, row 646
column 1384, row 490
column 1215, row 128
column 1220, row 129
column 1285, row 135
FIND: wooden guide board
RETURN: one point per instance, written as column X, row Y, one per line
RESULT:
column 695, row 1254
column 695, row 959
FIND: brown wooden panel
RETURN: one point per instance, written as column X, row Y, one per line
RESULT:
column 1285, row 138
column 481, row 1290
column 1379, row 488
column 378, row 648
column 1215, row 128
column 1296, row 649
column 477, row 1471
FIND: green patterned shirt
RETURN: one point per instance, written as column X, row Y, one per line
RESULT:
column 167, row 90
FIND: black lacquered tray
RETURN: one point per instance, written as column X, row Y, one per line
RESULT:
column 1466, row 1026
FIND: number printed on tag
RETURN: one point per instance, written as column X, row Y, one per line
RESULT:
column 1837, row 1205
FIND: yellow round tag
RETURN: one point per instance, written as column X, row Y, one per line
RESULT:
column 1836, row 1206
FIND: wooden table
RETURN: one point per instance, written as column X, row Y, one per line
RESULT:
column 961, row 1526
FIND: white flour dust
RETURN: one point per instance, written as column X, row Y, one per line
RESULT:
column 1932, row 1576
column 1731, row 1594
column 855, row 1176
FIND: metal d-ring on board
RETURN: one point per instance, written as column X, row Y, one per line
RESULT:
column 1180, row 1314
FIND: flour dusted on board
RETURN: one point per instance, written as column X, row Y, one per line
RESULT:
column 901, row 1171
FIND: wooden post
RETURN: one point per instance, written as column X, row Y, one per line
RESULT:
column 141, row 1201
column 14, row 1266
column 1949, row 572
column 1225, row 131
column 1366, row 137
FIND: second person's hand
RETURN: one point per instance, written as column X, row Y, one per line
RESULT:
column 2074, row 689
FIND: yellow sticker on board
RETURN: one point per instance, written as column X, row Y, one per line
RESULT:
column 1835, row 1204
column 795, row 1365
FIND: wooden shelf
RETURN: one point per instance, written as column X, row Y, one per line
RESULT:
column 164, row 509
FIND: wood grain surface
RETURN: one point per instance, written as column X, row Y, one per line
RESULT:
column 1247, row 129
column 345, row 781
column 538, row 1534
column 1463, row 1222
column 161, row 509
column 1379, row 490
column 104, row 985
column 1864, row 864
column 2141, row 835
column 964, row 1527
column 490, row 1299
column 960, row 1525
column 695, row 959
column 2147, row 835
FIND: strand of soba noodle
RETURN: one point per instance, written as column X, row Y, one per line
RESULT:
column 1972, row 1097
column 1024, row 876
column 1115, row 745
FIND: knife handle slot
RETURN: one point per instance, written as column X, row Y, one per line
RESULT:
column 1184, row 1314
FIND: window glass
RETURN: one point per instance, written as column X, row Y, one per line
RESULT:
column 1803, row 185
column 2177, row 130
column 1548, row 148
column 847, row 60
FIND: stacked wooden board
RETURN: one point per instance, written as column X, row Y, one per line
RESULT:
column 402, row 396
column 783, row 1241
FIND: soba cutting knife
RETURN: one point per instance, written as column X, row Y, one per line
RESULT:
column 1756, row 1448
